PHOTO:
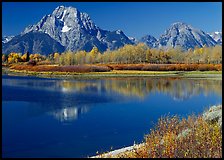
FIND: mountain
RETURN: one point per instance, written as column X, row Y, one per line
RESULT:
column 185, row 36
column 149, row 41
column 33, row 42
column 217, row 36
column 6, row 39
column 69, row 29
column 76, row 31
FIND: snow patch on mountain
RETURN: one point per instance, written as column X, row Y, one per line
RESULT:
column 6, row 39
column 65, row 28
column 217, row 36
column 133, row 40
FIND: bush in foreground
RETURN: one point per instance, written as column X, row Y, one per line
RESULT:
column 190, row 138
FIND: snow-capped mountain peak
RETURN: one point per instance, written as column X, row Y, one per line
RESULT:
column 185, row 36
column 180, row 25
column 119, row 31
column 75, row 30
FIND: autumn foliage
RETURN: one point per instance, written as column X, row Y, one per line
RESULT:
column 128, row 54
column 129, row 57
column 200, row 139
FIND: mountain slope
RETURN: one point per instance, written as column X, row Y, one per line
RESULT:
column 34, row 42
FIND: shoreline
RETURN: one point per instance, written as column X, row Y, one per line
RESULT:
column 114, row 74
column 119, row 151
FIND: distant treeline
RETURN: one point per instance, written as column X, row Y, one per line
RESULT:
column 129, row 54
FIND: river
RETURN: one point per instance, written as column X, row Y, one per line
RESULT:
column 76, row 118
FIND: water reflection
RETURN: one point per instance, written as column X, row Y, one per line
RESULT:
column 177, row 88
column 67, row 99
column 68, row 114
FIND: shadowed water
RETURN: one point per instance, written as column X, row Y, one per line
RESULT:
column 77, row 118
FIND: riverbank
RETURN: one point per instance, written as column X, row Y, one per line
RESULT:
column 203, row 134
column 114, row 73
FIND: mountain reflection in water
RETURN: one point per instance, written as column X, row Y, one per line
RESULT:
column 68, row 114
column 67, row 99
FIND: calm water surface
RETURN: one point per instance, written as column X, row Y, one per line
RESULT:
column 77, row 118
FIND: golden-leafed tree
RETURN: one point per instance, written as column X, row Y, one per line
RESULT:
column 80, row 57
column 56, row 57
column 14, row 57
column 93, row 55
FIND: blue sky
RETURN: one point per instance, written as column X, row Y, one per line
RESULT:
column 135, row 19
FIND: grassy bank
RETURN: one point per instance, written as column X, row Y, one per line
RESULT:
column 175, row 137
column 114, row 70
